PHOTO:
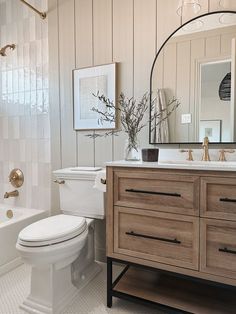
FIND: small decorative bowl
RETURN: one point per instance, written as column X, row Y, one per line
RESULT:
column 150, row 154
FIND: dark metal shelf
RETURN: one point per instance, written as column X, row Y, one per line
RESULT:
column 197, row 290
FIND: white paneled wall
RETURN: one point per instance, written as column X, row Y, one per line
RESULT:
column 24, row 104
column 92, row 32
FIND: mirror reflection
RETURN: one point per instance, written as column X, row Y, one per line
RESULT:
column 197, row 67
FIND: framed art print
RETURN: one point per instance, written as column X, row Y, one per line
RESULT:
column 87, row 82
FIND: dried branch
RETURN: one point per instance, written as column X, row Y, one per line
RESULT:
column 131, row 115
column 109, row 133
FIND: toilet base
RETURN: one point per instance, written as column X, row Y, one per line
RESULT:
column 52, row 290
column 81, row 279
column 33, row 307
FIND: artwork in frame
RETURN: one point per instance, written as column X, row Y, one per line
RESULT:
column 211, row 129
column 86, row 82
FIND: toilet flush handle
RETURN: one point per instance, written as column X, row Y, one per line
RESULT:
column 59, row 181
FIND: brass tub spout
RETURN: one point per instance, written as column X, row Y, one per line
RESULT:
column 11, row 194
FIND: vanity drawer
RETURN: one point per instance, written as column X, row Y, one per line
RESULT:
column 218, row 198
column 157, row 191
column 218, row 247
column 165, row 238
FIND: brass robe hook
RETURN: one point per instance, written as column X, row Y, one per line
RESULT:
column 43, row 15
column 3, row 49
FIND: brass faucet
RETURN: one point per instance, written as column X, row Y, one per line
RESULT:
column 205, row 156
column 11, row 194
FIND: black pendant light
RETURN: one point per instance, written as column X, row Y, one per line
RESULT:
column 225, row 88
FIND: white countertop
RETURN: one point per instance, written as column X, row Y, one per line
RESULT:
column 186, row 165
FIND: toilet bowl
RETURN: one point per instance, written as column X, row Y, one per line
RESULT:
column 60, row 249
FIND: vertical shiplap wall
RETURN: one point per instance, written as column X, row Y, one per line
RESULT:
column 92, row 32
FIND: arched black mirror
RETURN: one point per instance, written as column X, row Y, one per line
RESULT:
column 196, row 66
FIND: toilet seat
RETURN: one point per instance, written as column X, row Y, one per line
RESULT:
column 52, row 230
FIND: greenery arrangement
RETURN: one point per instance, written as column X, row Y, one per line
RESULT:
column 131, row 115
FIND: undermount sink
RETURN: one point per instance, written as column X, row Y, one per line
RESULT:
column 199, row 163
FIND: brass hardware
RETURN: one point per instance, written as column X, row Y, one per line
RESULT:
column 16, row 178
column 189, row 151
column 9, row 213
column 59, row 181
column 11, row 194
column 222, row 153
column 103, row 181
column 3, row 49
column 43, row 15
column 205, row 156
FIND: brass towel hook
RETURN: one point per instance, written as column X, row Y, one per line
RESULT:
column 3, row 49
column 43, row 15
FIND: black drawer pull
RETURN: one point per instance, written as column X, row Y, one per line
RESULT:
column 229, row 200
column 225, row 250
column 153, row 192
column 151, row 237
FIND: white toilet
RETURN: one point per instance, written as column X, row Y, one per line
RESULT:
column 60, row 248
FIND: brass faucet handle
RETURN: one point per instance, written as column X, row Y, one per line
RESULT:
column 223, row 152
column 16, row 178
column 189, row 151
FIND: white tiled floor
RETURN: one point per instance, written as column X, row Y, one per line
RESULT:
column 14, row 287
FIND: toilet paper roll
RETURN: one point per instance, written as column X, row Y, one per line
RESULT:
column 100, row 181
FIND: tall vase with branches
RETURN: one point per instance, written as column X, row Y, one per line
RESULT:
column 131, row 114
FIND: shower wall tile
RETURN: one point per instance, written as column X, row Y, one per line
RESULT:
column 24, row 105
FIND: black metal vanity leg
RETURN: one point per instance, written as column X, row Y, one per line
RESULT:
column 109, row 282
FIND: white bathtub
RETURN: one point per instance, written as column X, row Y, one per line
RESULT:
column 9, row 230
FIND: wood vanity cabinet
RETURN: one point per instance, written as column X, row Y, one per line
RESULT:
column 218, row 197
column 160, row 237
column 178, row 194
column 218, row 247
column 178, row 221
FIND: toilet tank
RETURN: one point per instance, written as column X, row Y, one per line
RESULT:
column 77, row 193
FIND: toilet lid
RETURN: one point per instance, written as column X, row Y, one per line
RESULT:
column 52, row 230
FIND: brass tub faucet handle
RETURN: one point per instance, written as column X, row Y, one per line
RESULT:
column 16, row 178
column 189, row 151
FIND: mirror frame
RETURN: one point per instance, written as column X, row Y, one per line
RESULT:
column 151, row 76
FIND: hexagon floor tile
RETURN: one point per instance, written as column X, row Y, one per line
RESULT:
column 15, row 285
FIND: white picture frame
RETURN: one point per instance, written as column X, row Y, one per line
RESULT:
column 211, row 129
column 86, row 83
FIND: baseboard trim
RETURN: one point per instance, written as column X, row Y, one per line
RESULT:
column 10, row 266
